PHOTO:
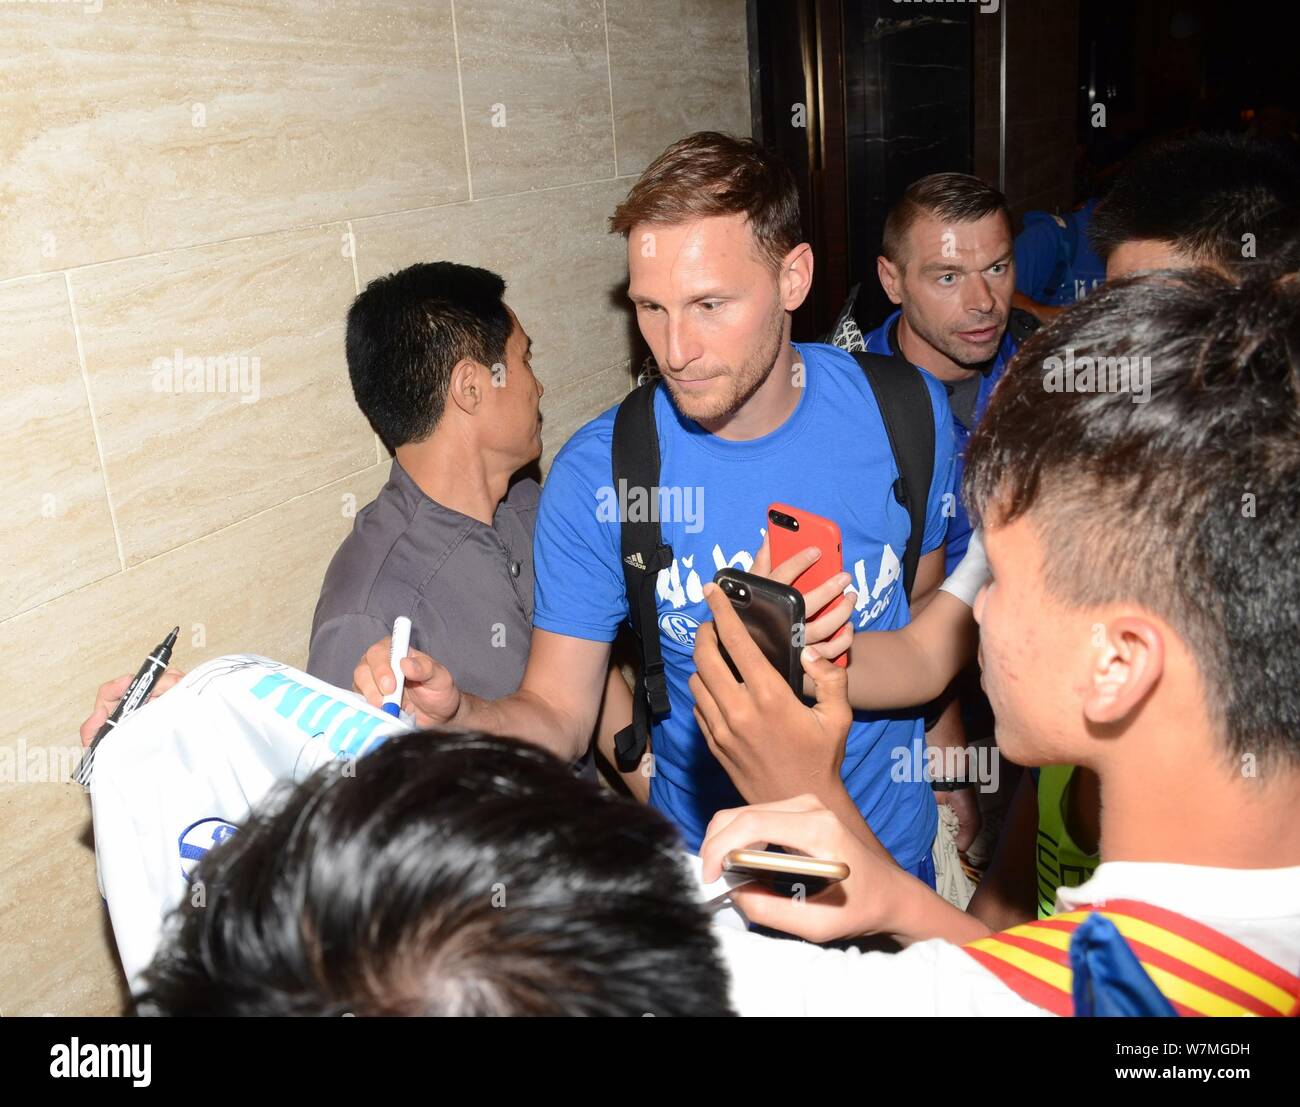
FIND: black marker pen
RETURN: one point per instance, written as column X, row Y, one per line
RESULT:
column 137, row 692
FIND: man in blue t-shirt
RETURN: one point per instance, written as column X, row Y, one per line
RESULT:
column 745, row 418
column 1055, row 262
column 947, row 261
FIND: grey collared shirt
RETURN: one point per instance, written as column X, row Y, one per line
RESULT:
column 466, row 587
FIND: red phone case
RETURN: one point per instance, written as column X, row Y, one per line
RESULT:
column 814, row 530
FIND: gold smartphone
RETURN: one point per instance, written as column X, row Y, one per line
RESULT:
column 759, row 862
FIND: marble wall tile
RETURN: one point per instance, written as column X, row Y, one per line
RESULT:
column 56, row 530
column 536, row 93
column 676, row 66
column 566, row 275
column 56, row 951
column 571, row 404
column 281, row 421
column 250, row 588
column 190, row 172
column 153, row 125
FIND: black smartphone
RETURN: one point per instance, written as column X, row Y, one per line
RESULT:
column 773, row 614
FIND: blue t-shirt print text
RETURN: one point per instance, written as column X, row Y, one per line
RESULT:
column 682, row 583
column 831, row 457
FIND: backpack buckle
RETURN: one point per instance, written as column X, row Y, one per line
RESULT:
column 656, row 688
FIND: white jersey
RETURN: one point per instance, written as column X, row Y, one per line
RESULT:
column 1260, row 908
column 180, row 774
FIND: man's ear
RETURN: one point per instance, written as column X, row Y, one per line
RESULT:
column 465, row 388
column 891, row 279
column 795, row 278
column 1128, row 657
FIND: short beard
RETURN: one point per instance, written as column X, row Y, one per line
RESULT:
column 744, row 382
column 950, row 347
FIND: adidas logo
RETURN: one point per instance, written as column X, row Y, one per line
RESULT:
column 635, row 561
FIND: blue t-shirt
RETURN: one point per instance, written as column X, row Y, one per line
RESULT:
column 880, row 341
column 1055, row 262
column 831, row 457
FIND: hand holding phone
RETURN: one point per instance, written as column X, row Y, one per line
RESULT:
column 876, row 896
column 763, row 863
column 791, row 530
column 786, row 874
column 771, row 744
column 773, row 614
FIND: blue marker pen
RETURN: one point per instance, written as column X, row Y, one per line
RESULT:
column 401, row 647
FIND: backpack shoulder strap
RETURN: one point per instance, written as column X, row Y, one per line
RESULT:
column 908, row 414
column 635, row 457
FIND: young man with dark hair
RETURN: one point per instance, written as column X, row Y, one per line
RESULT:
column 446, row 875
column 1220, row 202
column 1216, row 200
column 1141, row 622
column 744, row 418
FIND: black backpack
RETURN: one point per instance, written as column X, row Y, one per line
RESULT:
column 908, row 415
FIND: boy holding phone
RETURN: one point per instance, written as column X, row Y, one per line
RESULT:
column 1165, row 661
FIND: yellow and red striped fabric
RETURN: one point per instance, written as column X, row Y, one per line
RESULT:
column 1199, row 970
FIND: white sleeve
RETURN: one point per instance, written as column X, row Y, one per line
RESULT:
column 180, row 774
column 971, row 573
column 779, row 977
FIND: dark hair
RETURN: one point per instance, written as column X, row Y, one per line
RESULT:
column 708, row 174
column 951, row 197
column 1200, row 195
column 444, row 875
column 1187, row 504
column 408, row 330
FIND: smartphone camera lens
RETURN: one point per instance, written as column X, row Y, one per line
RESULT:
column 780, row 519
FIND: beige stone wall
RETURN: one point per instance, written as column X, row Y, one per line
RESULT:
column 221, row 179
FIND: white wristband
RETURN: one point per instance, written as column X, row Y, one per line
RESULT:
column 972, row 571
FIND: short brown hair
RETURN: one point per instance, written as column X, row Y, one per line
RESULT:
column 952, row 197
column 708, row 174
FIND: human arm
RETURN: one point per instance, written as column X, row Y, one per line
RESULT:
column 769, row 742
column 555, row 707
column 615, row 714
column 1007, row 895
column 1044, row 313
column 916, row 663
column 338, row 642
column 876, row 898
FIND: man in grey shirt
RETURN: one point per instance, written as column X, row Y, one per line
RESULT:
column 441, row 368
column 465, row 583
